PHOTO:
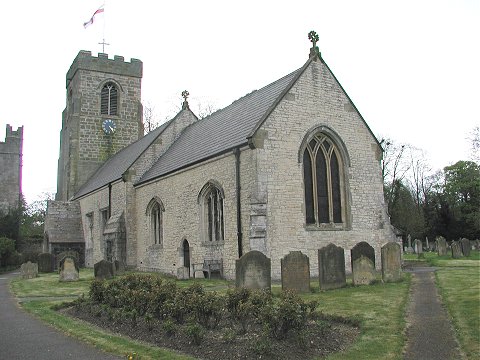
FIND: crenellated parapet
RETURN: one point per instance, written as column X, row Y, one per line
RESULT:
column 101, row 63
column 13, row 140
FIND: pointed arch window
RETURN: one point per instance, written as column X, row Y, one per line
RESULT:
column 323, row 182
column 109, row 99
column 211, row 201
column 155, row 212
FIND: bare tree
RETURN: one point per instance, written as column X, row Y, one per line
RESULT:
column 474, row 138
column 150, row 121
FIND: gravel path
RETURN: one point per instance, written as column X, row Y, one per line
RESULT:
column 429, row 331
column 24, row 337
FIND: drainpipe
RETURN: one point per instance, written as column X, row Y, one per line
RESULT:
column 239, row 206
column 109, row 199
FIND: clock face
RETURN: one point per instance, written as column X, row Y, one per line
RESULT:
column 108, row 126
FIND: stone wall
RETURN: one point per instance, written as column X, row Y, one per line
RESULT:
column 11, row 168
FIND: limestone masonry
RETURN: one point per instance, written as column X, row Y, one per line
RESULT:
column 11, row 152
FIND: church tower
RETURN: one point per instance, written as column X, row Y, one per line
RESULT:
column 103, row 114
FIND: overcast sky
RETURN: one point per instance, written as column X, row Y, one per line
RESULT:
column 412, row 68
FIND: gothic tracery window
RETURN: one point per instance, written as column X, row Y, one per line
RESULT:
column 109, row 99
column 155, row 212
column 323, row 177
column 212, row 213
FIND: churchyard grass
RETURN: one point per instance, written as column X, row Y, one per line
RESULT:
column 379, row 309
column 458, row 281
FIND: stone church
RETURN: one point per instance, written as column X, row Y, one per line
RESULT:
column 11, row 153
column 292, row 166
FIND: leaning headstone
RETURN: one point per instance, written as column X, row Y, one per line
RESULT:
column 103, row 270
column 46, row 262
column 362, row 248
column 29, row 270
column 456, row 250
column 441, row 245
column 466, row 246
column 69, row 269
column 296, row 272
column 391, row 262
column 427, row 244
column 119, row 267
column 363, row 271
column 418, row 246
column 331, row 267
column 253, row 271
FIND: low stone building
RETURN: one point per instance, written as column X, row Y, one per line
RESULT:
column 292, row 166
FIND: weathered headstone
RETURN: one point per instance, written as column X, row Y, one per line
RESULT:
column 29, row 270
column 456, row 250
column 476, row 244
column 46, row 262
column 418, row 246
column 64, row 254
column 409, row 248
column 296, row 272
column 69, row 269
column 103, row 270
column 253, row 271
column 119, row 267
column 363, row 271
column 441, row 246
column 466, row 246
column 391, row 262
column 362, row 248
column 331, row 267
column 183, row 273
column 427, row 244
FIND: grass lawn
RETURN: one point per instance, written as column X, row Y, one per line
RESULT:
column 379, row 308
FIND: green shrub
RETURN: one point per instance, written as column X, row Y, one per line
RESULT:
column 195, row 332
column 169, row 327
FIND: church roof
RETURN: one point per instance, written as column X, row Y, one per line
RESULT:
column 114, row 167
column 221, row 131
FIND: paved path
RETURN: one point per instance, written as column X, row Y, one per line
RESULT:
column 430, row 334
column 24, row 337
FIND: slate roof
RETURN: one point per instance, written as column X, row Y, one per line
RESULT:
column 114, row 167
column 222, row 131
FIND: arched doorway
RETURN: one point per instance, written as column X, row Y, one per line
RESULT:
column 186, row 255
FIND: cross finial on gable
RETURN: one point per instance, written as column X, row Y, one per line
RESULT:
column 185, row 95
column 313, row 37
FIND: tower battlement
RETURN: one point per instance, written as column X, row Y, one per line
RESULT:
column 101, row 63
column 12, row 135
column 11, row 164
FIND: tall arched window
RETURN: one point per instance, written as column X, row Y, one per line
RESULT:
column 109, row 99
column 211, row 202
column 323, row 181
column 155, row 212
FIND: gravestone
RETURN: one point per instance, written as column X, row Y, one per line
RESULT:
column 466, row 246
column 46, row 262
column 29, row 270
column 119, row 267
column 64, row 254
column 103, row 270
column 331, row 267
column 476, row 244
column 409, row 248
column 391, row 262
column 418, row 246
column 296, row 272
column 183, row 273
column 427, row 244
column 456, row 250
column 253, row 271
column 363, row 271
column 362, row 248
column 441, row 246
column 69, row 269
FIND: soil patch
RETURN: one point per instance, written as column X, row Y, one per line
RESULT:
column 321, row 337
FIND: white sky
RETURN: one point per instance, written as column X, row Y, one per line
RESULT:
column 412, row 68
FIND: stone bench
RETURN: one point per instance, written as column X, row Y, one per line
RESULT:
column 209, row 266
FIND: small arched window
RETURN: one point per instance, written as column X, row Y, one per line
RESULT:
column 323, row 181
column 109, row 99
column 211, row 202
column 155, row 212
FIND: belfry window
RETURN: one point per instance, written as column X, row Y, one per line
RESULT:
column 211, row 201
column 155, row 212
column 323, row 179
column 109, row 99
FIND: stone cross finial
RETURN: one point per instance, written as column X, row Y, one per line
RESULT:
column 185, row 95
column 313, row 37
